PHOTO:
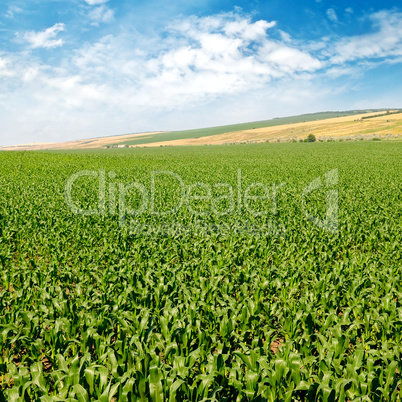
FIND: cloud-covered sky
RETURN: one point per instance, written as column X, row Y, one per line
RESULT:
column 87, row 68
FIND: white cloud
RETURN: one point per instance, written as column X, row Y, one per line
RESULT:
column 101, row 14
column 289, row 60
column 332, row 16
column 95, row 2
column 349, row 10
column 285, row 37
column 385, row 43
column 341, row 71
column 5, row 70
column 12, row 10
column 223, row 54
column 199, row 60
column 46, row 38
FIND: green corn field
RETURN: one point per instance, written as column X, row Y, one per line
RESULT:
column 214, row 277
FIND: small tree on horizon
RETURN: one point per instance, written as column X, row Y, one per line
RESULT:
column 311, row 138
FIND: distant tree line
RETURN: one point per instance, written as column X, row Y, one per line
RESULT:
column 382, row 114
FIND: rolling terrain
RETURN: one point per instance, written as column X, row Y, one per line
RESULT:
column 350, row 125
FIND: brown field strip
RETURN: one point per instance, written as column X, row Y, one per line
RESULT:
column 93, row 143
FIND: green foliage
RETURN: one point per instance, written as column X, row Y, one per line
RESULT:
column 311, row 138
column 92, row 312
column 382, row 114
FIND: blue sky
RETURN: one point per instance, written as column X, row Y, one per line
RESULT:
column 87, row 68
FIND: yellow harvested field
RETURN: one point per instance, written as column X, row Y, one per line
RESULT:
column 349, row 127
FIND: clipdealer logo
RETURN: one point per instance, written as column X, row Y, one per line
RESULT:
column 114, row 197
column 331, row 221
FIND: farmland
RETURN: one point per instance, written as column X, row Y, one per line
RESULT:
column 111, row 290
column 348, row 125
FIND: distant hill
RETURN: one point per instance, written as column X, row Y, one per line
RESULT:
column 349, row 125
column 212, row 131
